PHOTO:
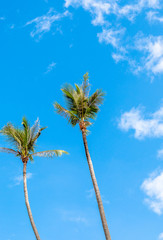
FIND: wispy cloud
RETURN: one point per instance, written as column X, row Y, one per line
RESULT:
column 153, row 188
column 150, row 126
column 19, row 179
column 104, row 200
column 160, row 153
column 119, row 57
column 91, row 194
column 160, row 236
column 115, row 32
column 112, row 36
column 73, row 216
column 152, row 49
column 153, row 16
column 12, row 26
column 44, row 23
column 98, row 9
column 78, row 219
column 50, row 67
column 130, row 11
column 2, row 18
column 101, row 9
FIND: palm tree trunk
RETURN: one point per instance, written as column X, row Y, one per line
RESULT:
column 96, row 188
column 27, row 202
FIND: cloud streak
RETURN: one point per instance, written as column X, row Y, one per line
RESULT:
column 50, row 67
column 73, row 216
column 152, row 16
column 19, row 179
column 160, row 153
column 43, row 24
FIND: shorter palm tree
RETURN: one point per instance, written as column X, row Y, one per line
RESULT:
column 24, row 142
column 82, row 109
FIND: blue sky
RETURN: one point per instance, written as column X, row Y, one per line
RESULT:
column 120, row 43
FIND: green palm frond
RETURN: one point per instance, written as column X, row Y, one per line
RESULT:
column 85, row 84
column 50, row 153
column 61, row 111
column 13, row 135
column 25, row 123
column 70, row 96
column 27, row 131
column 35, row 132
column 78, row 90
column 31, row 158
column 9, row 150
column 73, row 120
column 34, row 129
column 80, row 106
column 24, row 140
column 96, row 98
column 69, row 115
column 37, row 135
column 94, row 101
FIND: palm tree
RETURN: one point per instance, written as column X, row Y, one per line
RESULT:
column 81, row 109
column 24, row 143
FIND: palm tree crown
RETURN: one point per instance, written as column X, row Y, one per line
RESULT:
column 24, row 140
column 81, row 108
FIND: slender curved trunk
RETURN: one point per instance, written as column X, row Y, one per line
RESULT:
column 96, row 188
column 27, row 202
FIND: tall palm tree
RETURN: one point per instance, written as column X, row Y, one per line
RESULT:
column 24, row 142
column 81, row 109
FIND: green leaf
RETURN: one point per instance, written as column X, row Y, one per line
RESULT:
column 9, row 150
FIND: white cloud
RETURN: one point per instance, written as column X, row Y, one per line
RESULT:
column 111, row 36
column 50, row 67
column 132, row 10
column 153, row 16
column 160, row 236
column 160, row 153
column 100, row 9
column 97, row 8
column 158, row 68
column 151, row 126
column 90, row 193
column 117, row 35
column 151, row 3
column 118, row 57
column 152, row 47
column 44, row 23
column 73, row 216
column 147, row 126
column 153, row 188
column 19, row 179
